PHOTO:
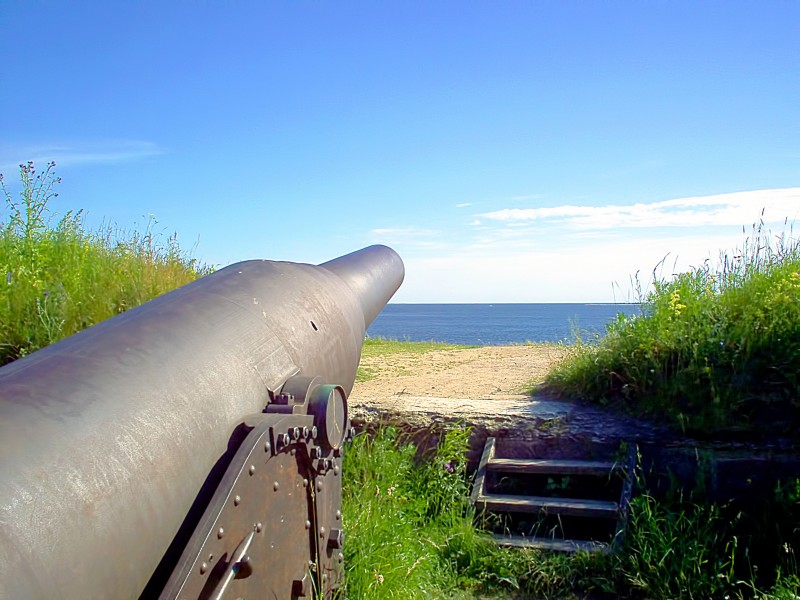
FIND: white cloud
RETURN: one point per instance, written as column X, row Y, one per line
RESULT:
column 464, row 204
column 409, row 238
column 79, row 153
column 723, row 209
column 405, row 233
column 575, row 253
column 599, row 271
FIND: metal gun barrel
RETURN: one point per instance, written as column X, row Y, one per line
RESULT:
column 108, row 436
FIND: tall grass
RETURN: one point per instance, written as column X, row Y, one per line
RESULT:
column 715, row 350
column 56, row 278
column 411, row 534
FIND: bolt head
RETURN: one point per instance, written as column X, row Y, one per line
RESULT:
column 220, row 533
column 203, row 568
column 252, row 469
column 237, row 500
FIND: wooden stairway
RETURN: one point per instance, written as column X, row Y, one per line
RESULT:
column 560, row 505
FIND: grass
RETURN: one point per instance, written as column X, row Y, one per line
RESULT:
column 715, row 351
column 57, row 279
column 412, row 534
column 376, row 347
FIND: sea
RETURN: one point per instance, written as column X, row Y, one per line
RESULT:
column 496, row 324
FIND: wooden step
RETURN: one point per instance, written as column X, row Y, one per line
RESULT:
column 555, row 545
column 562, row 506
column 552, row 467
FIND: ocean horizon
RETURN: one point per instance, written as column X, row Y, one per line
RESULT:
column 497, row 324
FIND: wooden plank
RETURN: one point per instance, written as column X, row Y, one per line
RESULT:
column 555, row 545
column 563, row 506
column 549, row 466
column 478, row 486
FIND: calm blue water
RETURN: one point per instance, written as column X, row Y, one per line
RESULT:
column 494, row 324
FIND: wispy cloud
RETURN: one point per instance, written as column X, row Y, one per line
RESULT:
column 722, row 209
column 525, row 197
column 78, row 153
column 408, row 237
column 464, row 204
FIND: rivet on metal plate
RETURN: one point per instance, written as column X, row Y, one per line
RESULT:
column 252, row 469
column 220, row 532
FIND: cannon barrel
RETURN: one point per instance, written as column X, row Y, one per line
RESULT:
column 109, row 436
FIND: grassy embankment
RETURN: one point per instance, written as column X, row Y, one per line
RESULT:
column 57, row 278
column 716, row 350
column 410, row 527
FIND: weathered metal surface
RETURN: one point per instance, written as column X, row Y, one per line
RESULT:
column 263, row 512
column 115, row 439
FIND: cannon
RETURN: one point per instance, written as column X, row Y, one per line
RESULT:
column 191, row 447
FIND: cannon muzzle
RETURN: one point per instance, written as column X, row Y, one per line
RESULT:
column 153, row 453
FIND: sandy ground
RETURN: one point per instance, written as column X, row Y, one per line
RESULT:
column 471, row 384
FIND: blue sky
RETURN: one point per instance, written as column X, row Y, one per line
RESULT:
column 509, row 151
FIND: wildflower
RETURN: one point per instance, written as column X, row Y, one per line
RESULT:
column 391, row 490
column 378, row 577
column 675, row 303
column 449, row 468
